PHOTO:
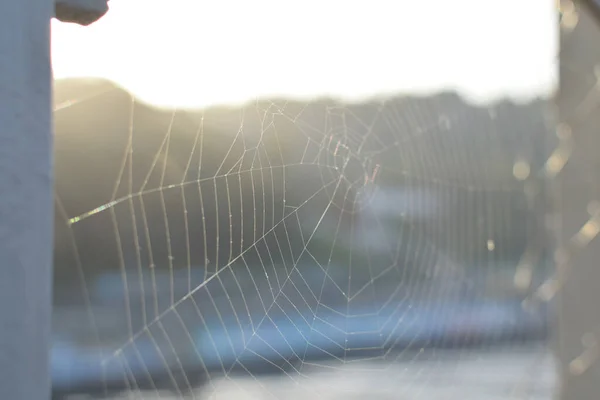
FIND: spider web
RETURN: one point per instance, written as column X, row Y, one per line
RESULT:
column 311, row 241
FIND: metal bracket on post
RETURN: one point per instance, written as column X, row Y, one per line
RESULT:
column 82, row 12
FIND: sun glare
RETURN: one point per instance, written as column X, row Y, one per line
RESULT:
column 191, row 53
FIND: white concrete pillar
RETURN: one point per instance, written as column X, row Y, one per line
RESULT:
column 26, row 193
column 26, row 200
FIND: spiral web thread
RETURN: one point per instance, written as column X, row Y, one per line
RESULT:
column 289, row 237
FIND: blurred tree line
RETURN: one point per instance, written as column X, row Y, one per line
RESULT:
column 143, row 187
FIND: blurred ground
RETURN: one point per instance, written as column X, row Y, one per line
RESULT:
column 514, row 373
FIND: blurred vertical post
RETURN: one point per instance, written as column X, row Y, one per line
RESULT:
column 578, row 195
column 26, row 192
column 26, row 200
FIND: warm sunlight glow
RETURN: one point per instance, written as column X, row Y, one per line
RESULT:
column 200, row 52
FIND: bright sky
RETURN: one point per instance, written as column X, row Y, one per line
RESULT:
column 190, row 53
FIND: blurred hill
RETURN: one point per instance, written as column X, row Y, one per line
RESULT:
column 142, row 187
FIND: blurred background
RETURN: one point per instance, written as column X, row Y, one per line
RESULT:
column 334, row 200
